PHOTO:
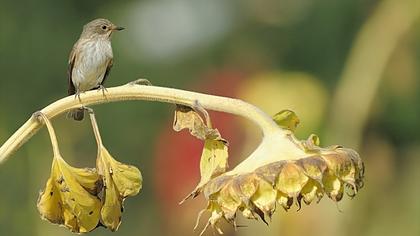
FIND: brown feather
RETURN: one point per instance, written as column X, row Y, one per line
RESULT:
column 71, row 89
column 76, row 114
column 108, row 69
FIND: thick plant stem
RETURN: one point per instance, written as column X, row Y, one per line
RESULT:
column 133, row 91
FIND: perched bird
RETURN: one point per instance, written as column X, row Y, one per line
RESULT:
column 90, row 60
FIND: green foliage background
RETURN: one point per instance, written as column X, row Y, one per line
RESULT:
column 179, row 44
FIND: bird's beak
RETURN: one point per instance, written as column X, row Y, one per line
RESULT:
column 118, row 28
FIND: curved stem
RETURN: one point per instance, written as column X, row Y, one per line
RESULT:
column 51, row 132
column 132, row 91
column 95, row 129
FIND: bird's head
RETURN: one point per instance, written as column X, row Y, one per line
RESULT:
column 102, row 28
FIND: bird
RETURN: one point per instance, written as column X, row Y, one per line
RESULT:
column 90, row 60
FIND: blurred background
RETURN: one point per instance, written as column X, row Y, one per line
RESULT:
column 348, row 68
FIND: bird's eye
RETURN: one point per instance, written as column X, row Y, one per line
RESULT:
column 104, row 27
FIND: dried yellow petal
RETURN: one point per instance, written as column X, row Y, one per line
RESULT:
column 229, row 201
column 311, row 190
column 291, row 179
column 333, row 186
column 285, row 201
column 265, row 198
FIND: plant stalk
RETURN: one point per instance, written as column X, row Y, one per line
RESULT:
column 134, row 91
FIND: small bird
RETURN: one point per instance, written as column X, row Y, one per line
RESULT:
column 90, row 60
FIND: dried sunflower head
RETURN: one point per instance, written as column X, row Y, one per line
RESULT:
column 282, row 171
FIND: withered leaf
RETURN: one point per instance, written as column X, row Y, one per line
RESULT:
column 213, row 162
column 69, row 197
column 187, row 118
column 120, row 181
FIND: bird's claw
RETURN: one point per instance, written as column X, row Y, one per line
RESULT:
column 77, row 95
column 103, row 89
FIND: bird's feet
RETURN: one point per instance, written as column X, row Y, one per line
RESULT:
column 77, row 95
column 103, row 89
column 140, row 81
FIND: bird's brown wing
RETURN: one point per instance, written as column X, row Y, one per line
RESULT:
column 108, row 69
column 71, row 90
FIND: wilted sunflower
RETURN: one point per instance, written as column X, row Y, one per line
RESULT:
column 281, row 171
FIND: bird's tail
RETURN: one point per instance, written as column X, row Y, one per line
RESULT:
column 76, row 114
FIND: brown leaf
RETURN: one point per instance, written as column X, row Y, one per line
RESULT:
column 187, row 118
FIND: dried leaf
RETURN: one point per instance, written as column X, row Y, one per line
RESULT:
column 187, row 118
column 120, row 181
column 67, row 198
column 213, row 163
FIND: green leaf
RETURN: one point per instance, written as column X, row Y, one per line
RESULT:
column 287, row 119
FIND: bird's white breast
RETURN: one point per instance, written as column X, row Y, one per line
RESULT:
column 92, row 58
